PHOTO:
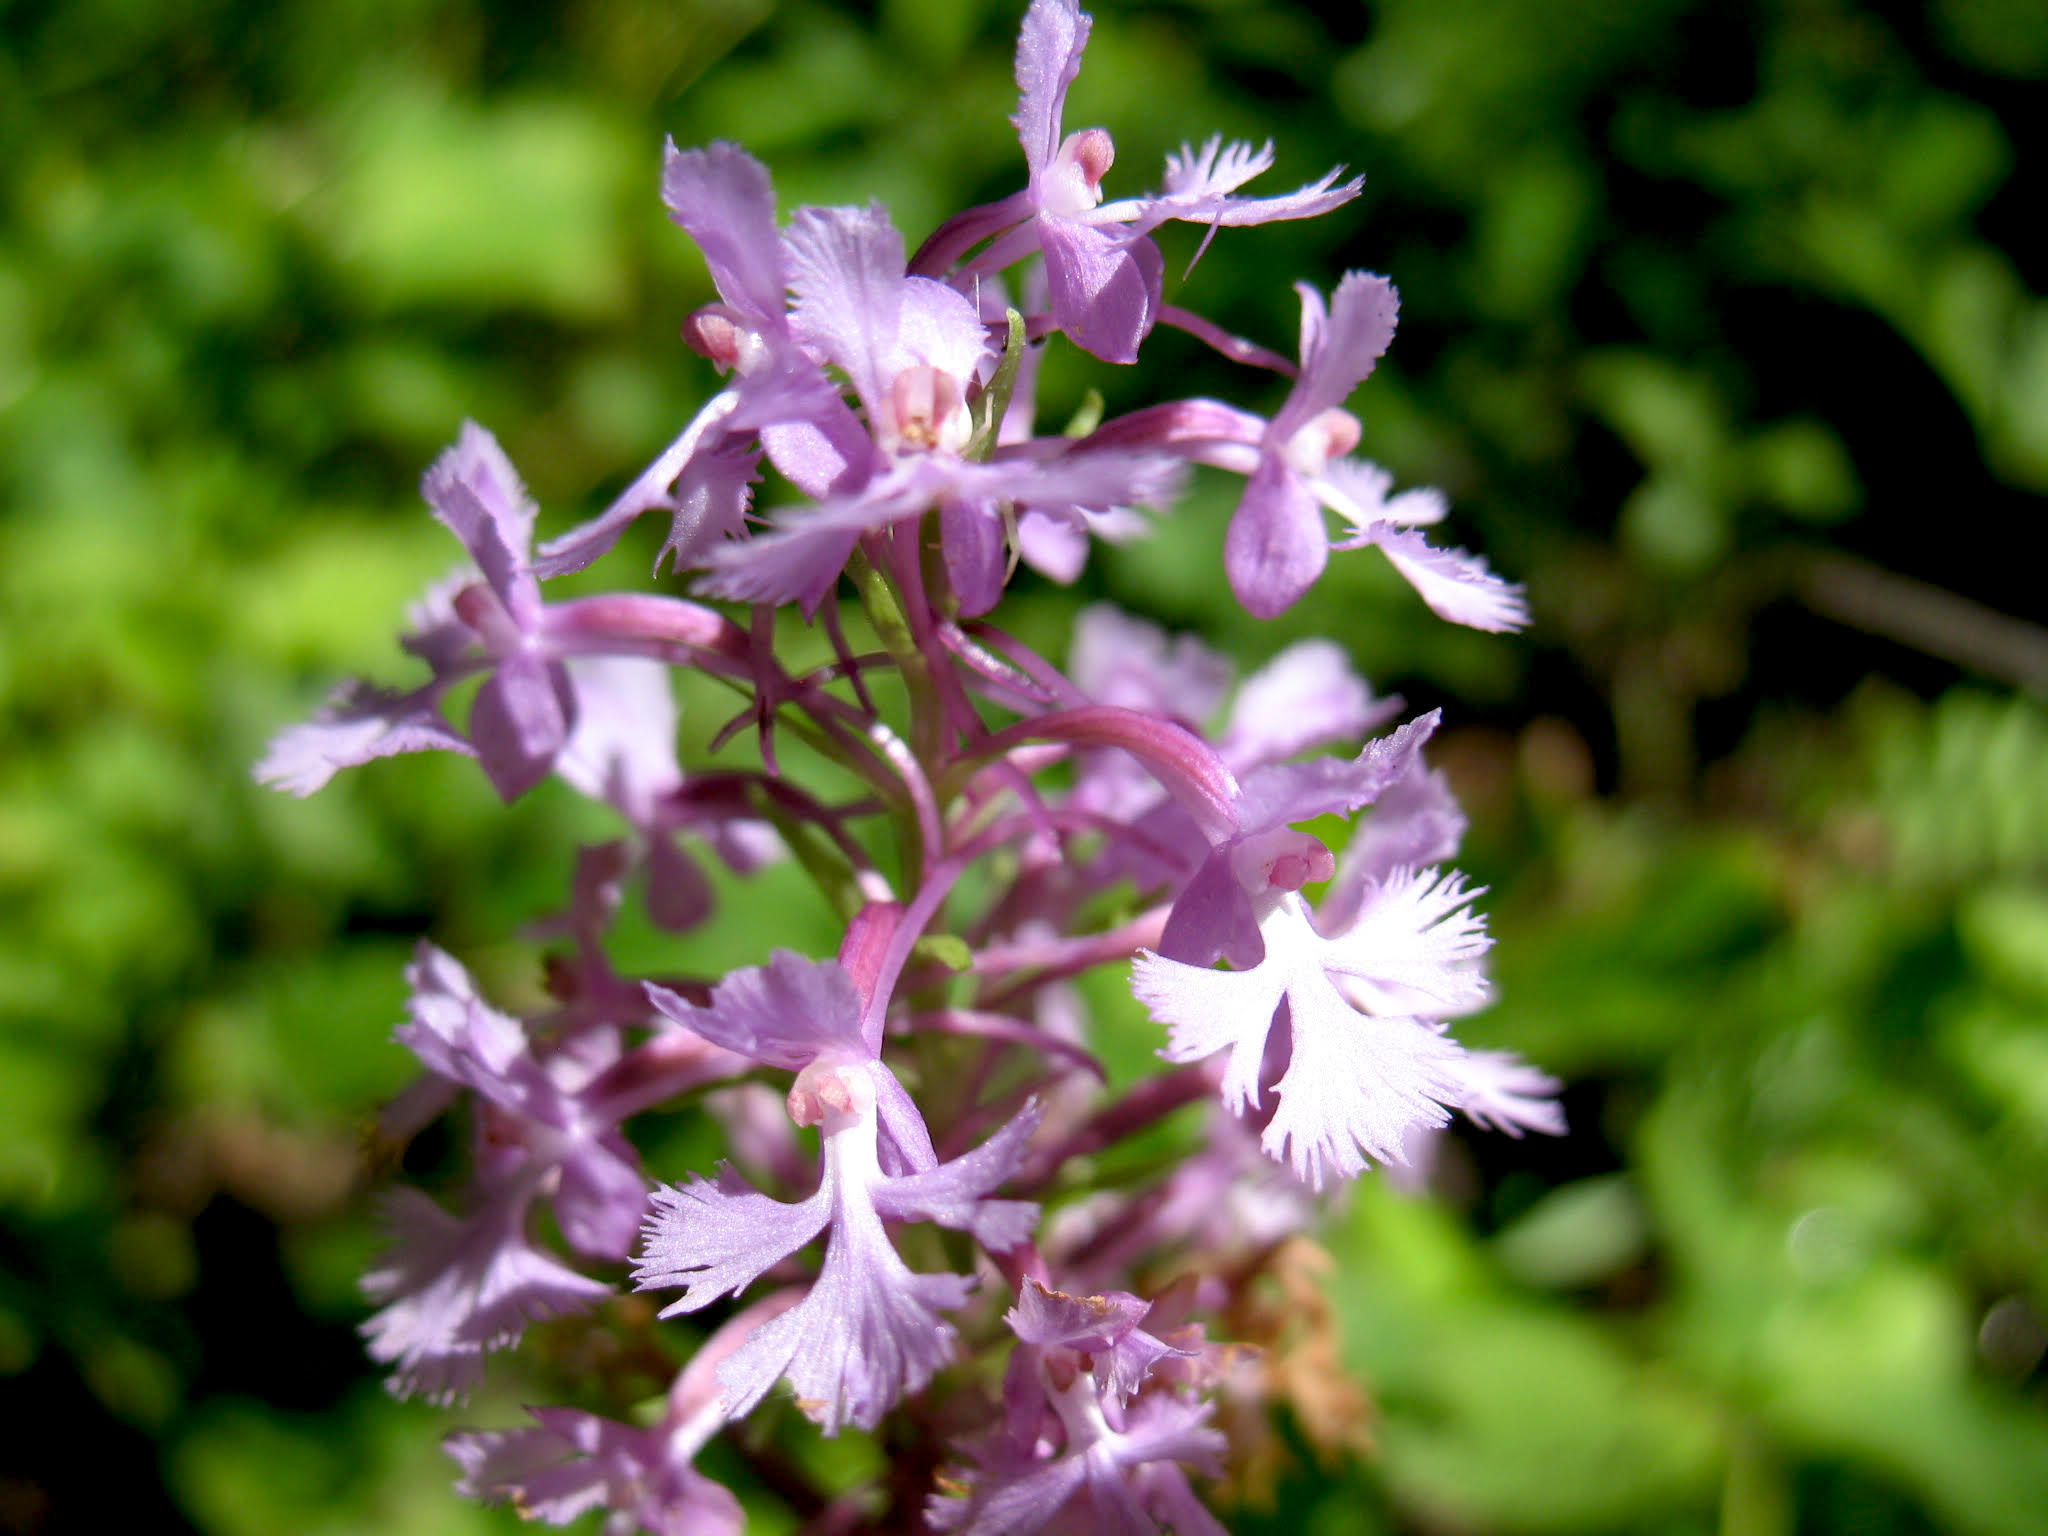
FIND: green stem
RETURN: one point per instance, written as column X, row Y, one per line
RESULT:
column 821, row 860
column 995, row 400
column 884, row 608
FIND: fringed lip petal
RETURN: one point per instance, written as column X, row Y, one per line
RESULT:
column 715, row 1237
column 454, row 1289
column 359, row 724
column 1456, row 585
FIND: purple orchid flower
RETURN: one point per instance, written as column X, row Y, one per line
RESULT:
column 1365, row 1008
column 914, row 349
column 1104, row 285
column 541, row 1121
column 1100, row 1332
column 869, row 1329
column 779, row 401
column 570, row 1463
column 547, row 1128
column 1104, row 273
column 524, row 711
column 1075, row 1452
column 1276, row 546
column 454, row 1289
column 1298, row 463
column 1305, row 697
column 979, row 807
column 1356, row 1084
column 1216, row 912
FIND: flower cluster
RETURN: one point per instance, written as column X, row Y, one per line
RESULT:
column 935, row 1074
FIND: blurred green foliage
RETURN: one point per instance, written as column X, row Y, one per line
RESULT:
column 1724, row 327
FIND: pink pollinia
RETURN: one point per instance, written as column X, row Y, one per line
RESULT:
column 911, row 1230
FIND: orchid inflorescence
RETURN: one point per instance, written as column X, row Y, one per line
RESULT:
column 942, row 1054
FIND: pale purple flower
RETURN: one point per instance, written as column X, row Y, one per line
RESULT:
column 358, row 725
column 1298, row 464
column 1101, row 1331
column 914, row 351
column 1103, row 271
column 571, row 1463
column 525, row 708
column 779, row 399
column 1216, row 912
column 1368, row 1061
column 454, row 1289
column 1104, row 284
column 1276, row 546
column 870, row 1328
column 1077, row 1452
column 540, row 1125
column 458, row 1287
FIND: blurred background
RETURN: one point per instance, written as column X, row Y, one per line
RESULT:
column 1722, row 326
